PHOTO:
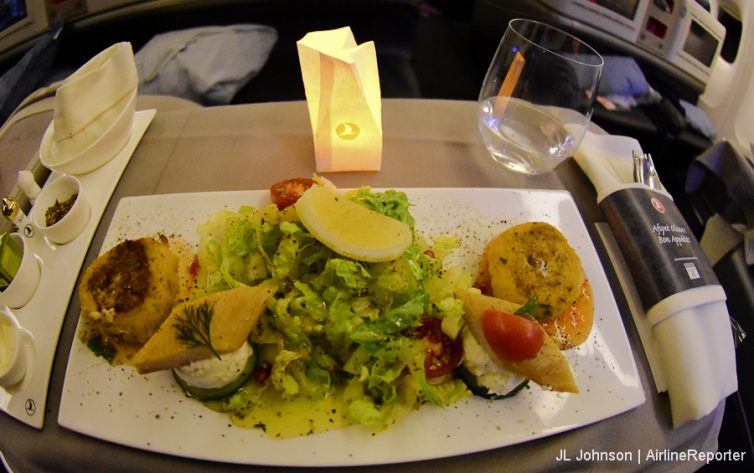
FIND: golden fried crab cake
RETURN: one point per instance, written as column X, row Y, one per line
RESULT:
column 534, row 261
column 128, row 291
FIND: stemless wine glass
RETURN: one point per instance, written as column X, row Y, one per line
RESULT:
column 537, row 97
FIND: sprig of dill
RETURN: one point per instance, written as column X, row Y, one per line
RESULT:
column 535, row 310
column 194, row 327
column 530, row 309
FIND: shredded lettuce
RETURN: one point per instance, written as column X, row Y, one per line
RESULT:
column 392, row 203
column 337, row 326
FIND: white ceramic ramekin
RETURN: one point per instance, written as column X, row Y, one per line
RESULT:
column 25, row 282
column 74, row 222
column 13, row 352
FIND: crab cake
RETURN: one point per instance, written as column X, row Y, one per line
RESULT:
column 533, row 261
column 128, row 291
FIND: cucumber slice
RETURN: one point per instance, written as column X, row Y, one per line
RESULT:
column 477, row 389
column 204, row 394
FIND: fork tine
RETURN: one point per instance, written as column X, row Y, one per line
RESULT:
column 638, row 167
column 652, row 178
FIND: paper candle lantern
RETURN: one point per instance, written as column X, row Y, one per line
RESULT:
column 342, row 88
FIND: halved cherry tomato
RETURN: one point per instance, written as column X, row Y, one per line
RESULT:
column 485, row 286
column 512, row 337
column 287, row 192
column 262, row 373
column 194, row 267
column 443, row 353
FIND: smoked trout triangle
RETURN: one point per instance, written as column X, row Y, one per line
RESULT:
column 548, row 368
column 235, row 313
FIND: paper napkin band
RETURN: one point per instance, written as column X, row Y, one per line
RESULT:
column 96, row 87
column 684, row 300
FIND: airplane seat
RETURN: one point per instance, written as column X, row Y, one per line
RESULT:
column 720, row 192
column 728, row 98
column 280, row 78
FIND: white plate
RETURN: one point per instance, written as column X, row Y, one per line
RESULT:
column 149, row 412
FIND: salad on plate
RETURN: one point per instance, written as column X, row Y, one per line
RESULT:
column 325, row 309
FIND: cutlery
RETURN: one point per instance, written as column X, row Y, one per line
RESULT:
column 652, row 180
column 644, row 170
column 638, row 167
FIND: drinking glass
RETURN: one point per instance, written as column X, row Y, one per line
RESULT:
column 537, row 97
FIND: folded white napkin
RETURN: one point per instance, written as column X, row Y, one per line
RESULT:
column 687, row 336
column 608, row 161
column 89, row 101
column 695, row 344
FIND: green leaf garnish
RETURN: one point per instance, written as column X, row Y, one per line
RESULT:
column 102, row 348
column 194, row 327
column 530, row 309
column 533, row 310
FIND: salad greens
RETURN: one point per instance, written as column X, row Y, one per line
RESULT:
column 337, row 326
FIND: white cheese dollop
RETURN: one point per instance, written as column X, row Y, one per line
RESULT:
column 488, row 373
column 214, row 373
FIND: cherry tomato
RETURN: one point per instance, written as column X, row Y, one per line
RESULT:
column 262, row 373
column 512, row 337
column 485, row 286
column 287, row 192
column 194, row 267
column 443, row 353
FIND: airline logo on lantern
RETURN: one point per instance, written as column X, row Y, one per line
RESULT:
column 347, row 131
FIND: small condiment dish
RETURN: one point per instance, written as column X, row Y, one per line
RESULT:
column 14, row 359
column 51, row 201
column 25, row 282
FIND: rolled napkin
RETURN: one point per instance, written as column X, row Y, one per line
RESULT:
column 686, row 329
column 90, row 100
column 607, row 160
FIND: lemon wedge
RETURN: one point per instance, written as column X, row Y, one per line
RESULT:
column 351, row 229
